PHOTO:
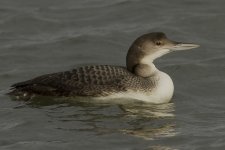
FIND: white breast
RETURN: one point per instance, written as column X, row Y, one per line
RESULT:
column 162, row 93
column 164, row 89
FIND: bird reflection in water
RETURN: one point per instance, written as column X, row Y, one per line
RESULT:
column 133, row 118
column 130, row 117
column 151, row 121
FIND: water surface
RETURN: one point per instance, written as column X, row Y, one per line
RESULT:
column 39, row 37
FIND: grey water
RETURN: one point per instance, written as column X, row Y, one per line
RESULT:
column 45, row 36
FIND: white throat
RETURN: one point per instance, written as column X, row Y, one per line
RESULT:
column 148, row 59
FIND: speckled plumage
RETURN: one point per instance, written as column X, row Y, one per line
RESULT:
column 97, row 80
column 139, row 80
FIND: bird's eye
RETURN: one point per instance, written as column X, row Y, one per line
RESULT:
column 158, row 43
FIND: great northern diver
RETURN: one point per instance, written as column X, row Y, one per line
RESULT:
column 140, row 79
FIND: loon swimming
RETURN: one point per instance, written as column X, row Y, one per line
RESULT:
column 140, row 79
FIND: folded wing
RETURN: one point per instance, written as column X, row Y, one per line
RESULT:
column 83, row 81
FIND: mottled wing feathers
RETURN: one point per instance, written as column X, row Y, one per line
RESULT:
column 84, row 81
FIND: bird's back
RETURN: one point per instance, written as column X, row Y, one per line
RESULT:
column 97, row 80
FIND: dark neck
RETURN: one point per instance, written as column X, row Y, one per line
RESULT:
column 137, row 64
